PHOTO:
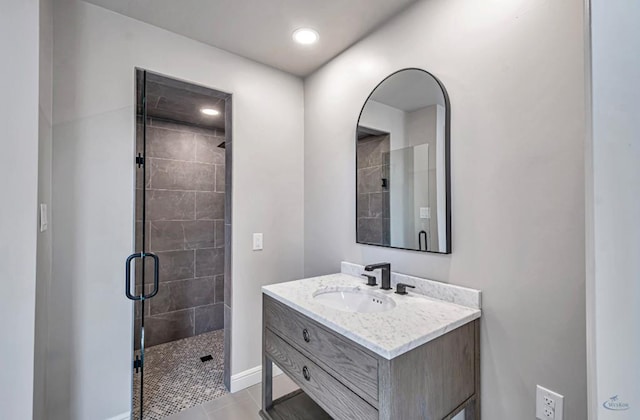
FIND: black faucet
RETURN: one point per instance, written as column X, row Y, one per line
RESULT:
column 401, row 288
column 371, row 280
column 386, row 273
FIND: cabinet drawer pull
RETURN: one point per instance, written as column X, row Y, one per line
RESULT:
column 306, row 374
column 305, row 335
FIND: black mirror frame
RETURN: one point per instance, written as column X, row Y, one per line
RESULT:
column 447, row 158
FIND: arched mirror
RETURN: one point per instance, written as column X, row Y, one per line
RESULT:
column 402, row 165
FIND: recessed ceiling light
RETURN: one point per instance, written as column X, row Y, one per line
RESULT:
column 305, row 36
column 210, row 111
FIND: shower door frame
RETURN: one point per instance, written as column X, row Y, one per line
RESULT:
column 139, row 162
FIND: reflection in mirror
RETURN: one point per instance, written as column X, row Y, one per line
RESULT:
column 402, row 163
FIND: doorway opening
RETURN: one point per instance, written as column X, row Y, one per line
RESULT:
column 182, row 286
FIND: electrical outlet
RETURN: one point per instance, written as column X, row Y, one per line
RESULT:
column 549, row 413
column 549, row 404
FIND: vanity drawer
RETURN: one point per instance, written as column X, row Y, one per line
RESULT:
column 335, row 398
column 337, row 355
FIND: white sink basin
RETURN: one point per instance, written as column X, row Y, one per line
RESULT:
column 352, row 299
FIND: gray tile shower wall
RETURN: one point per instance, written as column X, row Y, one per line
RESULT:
column 373, row 199
column 185, row 209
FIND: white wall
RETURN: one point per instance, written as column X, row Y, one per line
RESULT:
column 95, row 52
column 514, row 73
column 613, row 205
column 44, row 250
column 422, row 130
column 19, row 174
column 385, row 118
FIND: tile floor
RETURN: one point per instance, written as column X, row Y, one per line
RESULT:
column 243, row 405
column 176, row 379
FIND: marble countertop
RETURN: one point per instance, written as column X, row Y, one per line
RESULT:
column 416, row 319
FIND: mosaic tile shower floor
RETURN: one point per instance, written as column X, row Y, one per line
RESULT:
column 176, row 379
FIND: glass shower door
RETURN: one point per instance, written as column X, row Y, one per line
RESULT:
column 141, row 274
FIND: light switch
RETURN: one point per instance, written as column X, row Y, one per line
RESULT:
column 257, row 241
column 425, row 212
column 44, row 222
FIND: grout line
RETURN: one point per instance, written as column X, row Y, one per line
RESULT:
column 147, row 235
column 195, row 256
column 186, row 130
column 372, row 166
column 144, row 167
column 195, row 205
column 182, row 249
column 184, row 161
column 184, row 220
column 194, row 320
column 257, row 403
column 215, row 178
column 176, row 190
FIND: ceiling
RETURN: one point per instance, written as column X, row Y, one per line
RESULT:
column 178, row 101
column 409, row 90
column 261, row 29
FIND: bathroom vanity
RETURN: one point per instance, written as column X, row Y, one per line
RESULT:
column 358, row 352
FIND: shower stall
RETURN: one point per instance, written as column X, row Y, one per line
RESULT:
column 179, row 274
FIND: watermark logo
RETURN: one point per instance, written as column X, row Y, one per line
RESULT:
column 615, row 404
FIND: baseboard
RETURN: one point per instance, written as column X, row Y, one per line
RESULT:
column 123, row 416
column 249, row 378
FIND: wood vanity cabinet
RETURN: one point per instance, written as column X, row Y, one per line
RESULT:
column 341, row 379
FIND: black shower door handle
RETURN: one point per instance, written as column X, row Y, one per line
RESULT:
column 156, row 277
column 422, row 234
